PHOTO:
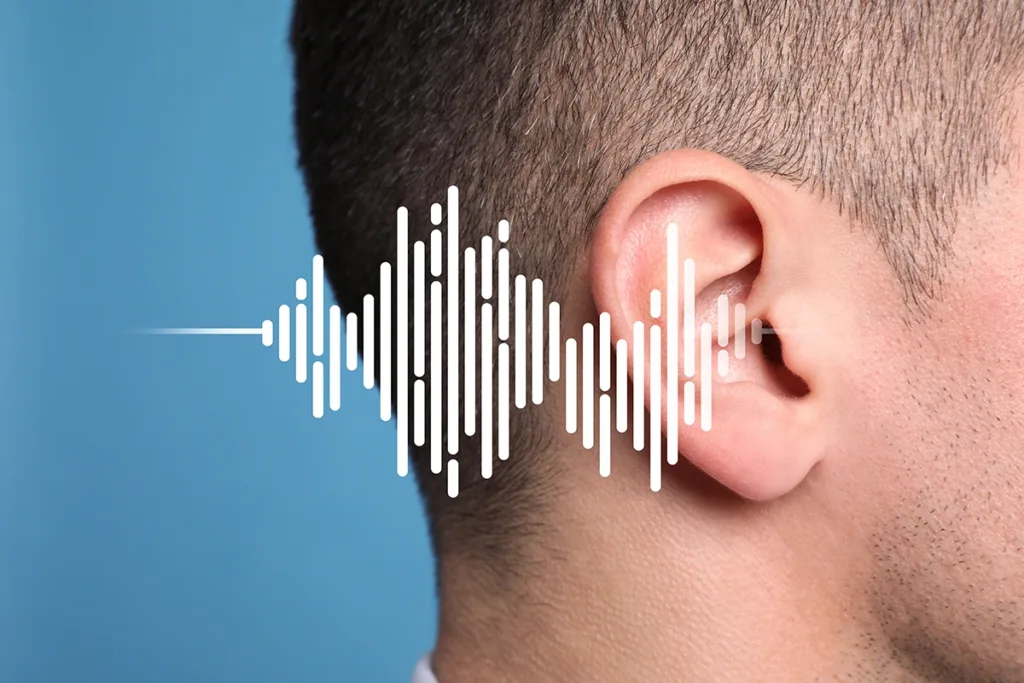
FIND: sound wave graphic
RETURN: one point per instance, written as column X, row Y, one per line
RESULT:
column 514, row 383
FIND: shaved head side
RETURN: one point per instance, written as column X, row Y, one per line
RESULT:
column 536, row 109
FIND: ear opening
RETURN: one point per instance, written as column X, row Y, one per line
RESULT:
column 789, row 383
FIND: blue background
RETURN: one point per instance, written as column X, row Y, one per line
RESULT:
column 169, row 508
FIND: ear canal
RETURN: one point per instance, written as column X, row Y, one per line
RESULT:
column 771, row 346
column 789, row 383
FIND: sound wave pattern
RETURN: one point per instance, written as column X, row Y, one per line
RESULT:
column 519, row 358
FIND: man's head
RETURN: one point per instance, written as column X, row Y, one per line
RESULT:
column 851, row 173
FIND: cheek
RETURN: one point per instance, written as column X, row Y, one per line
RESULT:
column 985, row 290
column 935, row 412
column 951, row 445
column 982, row 318
column 930, row 451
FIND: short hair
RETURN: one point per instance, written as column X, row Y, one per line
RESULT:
column 536, row 109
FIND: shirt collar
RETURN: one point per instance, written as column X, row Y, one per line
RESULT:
column 422, row 672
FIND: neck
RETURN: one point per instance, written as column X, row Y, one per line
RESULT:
column 664, row 602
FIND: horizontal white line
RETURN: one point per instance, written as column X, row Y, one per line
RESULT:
column 204, row 330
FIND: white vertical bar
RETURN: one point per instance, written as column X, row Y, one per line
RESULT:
column 419, row 409
column 436, row 406
column 655, row 303
column 385, row 341
column 503, row 401
column 520, row 341
column 300, row 343
column 554, row 341
column 284, row 335
column 318, row 305
column 334, row 356
column 639, row 370
column 453, row 320
column 402, row 342
column 352, row 341
column 486, row 398
column 368, row 328
column 503, row 231
column 655, row 408
column 705, row 376
column 486, row 266
column 723, row 362
column 688, row 403
column 756, row 331
column 723, row 319
column 587, row 391
column 470, row 364
column 318, row 389
column 503, row 294
column 300, row 331
column 689, row 316
column 621, row 395
column 267, row 333
column 435, row 253
column 571, row 422
column 537, row 360
column 435, row 213
column 605, row 438
column 672, row 344
column 605, row 350
column 453, row 478
column 419, row 283
column 741, row 330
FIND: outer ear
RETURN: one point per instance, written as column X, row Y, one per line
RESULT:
column 764, row 435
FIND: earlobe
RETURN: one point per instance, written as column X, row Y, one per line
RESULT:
column 760, row 446
column 762, row 439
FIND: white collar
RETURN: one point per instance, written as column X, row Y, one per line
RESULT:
column 422, row 672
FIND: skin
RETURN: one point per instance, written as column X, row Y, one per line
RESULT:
column 856, row 515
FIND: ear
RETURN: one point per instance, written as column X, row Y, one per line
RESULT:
column 765, row 434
